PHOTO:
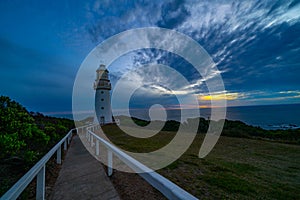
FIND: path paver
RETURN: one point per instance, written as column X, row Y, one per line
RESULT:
column 82, row 177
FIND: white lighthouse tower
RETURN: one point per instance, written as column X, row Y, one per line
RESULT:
column 102, row 99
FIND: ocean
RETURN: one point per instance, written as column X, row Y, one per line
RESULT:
column 265, row 116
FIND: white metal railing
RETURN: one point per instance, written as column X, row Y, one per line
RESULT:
column 38, row 170
column 165, row 186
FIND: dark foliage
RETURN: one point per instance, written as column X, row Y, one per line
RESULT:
column 140, row 122
column 54, row 127
column 20, row 138
column 24, row 138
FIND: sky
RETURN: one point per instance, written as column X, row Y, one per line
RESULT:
column 254, row 44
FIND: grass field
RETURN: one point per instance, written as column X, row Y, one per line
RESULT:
column 237, row 168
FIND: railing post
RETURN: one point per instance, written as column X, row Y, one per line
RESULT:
column 68, row 140
column 91, row 142
column 38, row 171
column 58, row 155
column 65, row 145
column 97, row 147
column 40, row 184
column 109, row 162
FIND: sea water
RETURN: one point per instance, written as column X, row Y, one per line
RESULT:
column 264, row 116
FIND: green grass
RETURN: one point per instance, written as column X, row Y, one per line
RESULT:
column 230, row 183
column 237, row 168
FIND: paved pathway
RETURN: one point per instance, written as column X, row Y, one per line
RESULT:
column 82, row 177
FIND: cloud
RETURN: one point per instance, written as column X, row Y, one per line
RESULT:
column 173, row 14
column 157, row 80
column 297, row 92
column 250, row 98
column 248, row 38
column 276, row 97
column 254, row 44
column 218, row 97
column 266, row 97
column 107, row 18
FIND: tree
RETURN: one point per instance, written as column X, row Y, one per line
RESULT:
column 19, row 135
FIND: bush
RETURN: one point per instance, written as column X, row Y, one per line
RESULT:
column 19, row 135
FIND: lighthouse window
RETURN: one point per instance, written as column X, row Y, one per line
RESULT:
column 102, row 99
column 102, row 108
column 102, row 92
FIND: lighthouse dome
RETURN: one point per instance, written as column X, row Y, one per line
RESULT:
column 102, row 68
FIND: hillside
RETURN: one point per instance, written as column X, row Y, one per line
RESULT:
column 231, row 129
column 247, row 162
column 237, row 168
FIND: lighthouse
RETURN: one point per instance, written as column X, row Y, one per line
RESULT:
column 102, row 98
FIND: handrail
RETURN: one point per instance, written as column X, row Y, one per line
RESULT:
column 38, row 170
column 165, row 186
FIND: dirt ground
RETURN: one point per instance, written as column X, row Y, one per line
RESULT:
column 131, row 186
